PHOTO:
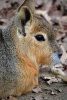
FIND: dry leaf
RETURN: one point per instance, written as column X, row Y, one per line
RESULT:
column 37, row 90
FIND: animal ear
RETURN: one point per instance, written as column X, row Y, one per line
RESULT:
column 24, row 19
column 25, row 14
column 29, row 3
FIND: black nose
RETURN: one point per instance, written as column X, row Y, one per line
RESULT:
column 59, row 55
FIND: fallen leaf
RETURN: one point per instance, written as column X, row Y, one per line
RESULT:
column 37, row 90
column 54, row 80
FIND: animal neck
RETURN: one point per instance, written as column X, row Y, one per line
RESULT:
column 27, row 60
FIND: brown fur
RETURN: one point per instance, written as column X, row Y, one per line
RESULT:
column 25, row 52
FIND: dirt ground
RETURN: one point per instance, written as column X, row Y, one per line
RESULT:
column 54, row 91
column 46, row 93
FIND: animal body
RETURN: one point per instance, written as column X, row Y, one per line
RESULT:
column 27, row 42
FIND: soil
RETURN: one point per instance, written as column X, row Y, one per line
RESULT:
column 59, row 89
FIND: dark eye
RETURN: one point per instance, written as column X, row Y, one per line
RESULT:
column 40, row 37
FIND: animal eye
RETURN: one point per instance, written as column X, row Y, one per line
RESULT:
column 40, row 37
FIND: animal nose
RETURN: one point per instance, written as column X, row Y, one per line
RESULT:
column 59, row 55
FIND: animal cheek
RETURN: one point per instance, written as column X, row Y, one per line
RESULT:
column 44, row 57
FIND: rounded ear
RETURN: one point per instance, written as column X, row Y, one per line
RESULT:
column 29, row 3
column 24, row 19
column 24, row 14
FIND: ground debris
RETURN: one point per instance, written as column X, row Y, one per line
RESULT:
column 59, row 90
column 53, row 93
column 37, row 90
column 50, row 80
column 39, row 97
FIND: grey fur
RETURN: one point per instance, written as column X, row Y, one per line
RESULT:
column 8, row 63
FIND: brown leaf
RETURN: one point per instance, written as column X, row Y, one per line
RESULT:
column 37, row 90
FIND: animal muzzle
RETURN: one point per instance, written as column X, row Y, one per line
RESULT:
column 56, row 58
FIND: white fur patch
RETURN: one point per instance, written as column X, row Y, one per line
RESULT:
column 19, row 33
column 27, row 27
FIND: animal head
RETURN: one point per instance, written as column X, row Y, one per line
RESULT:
column 35, row 38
